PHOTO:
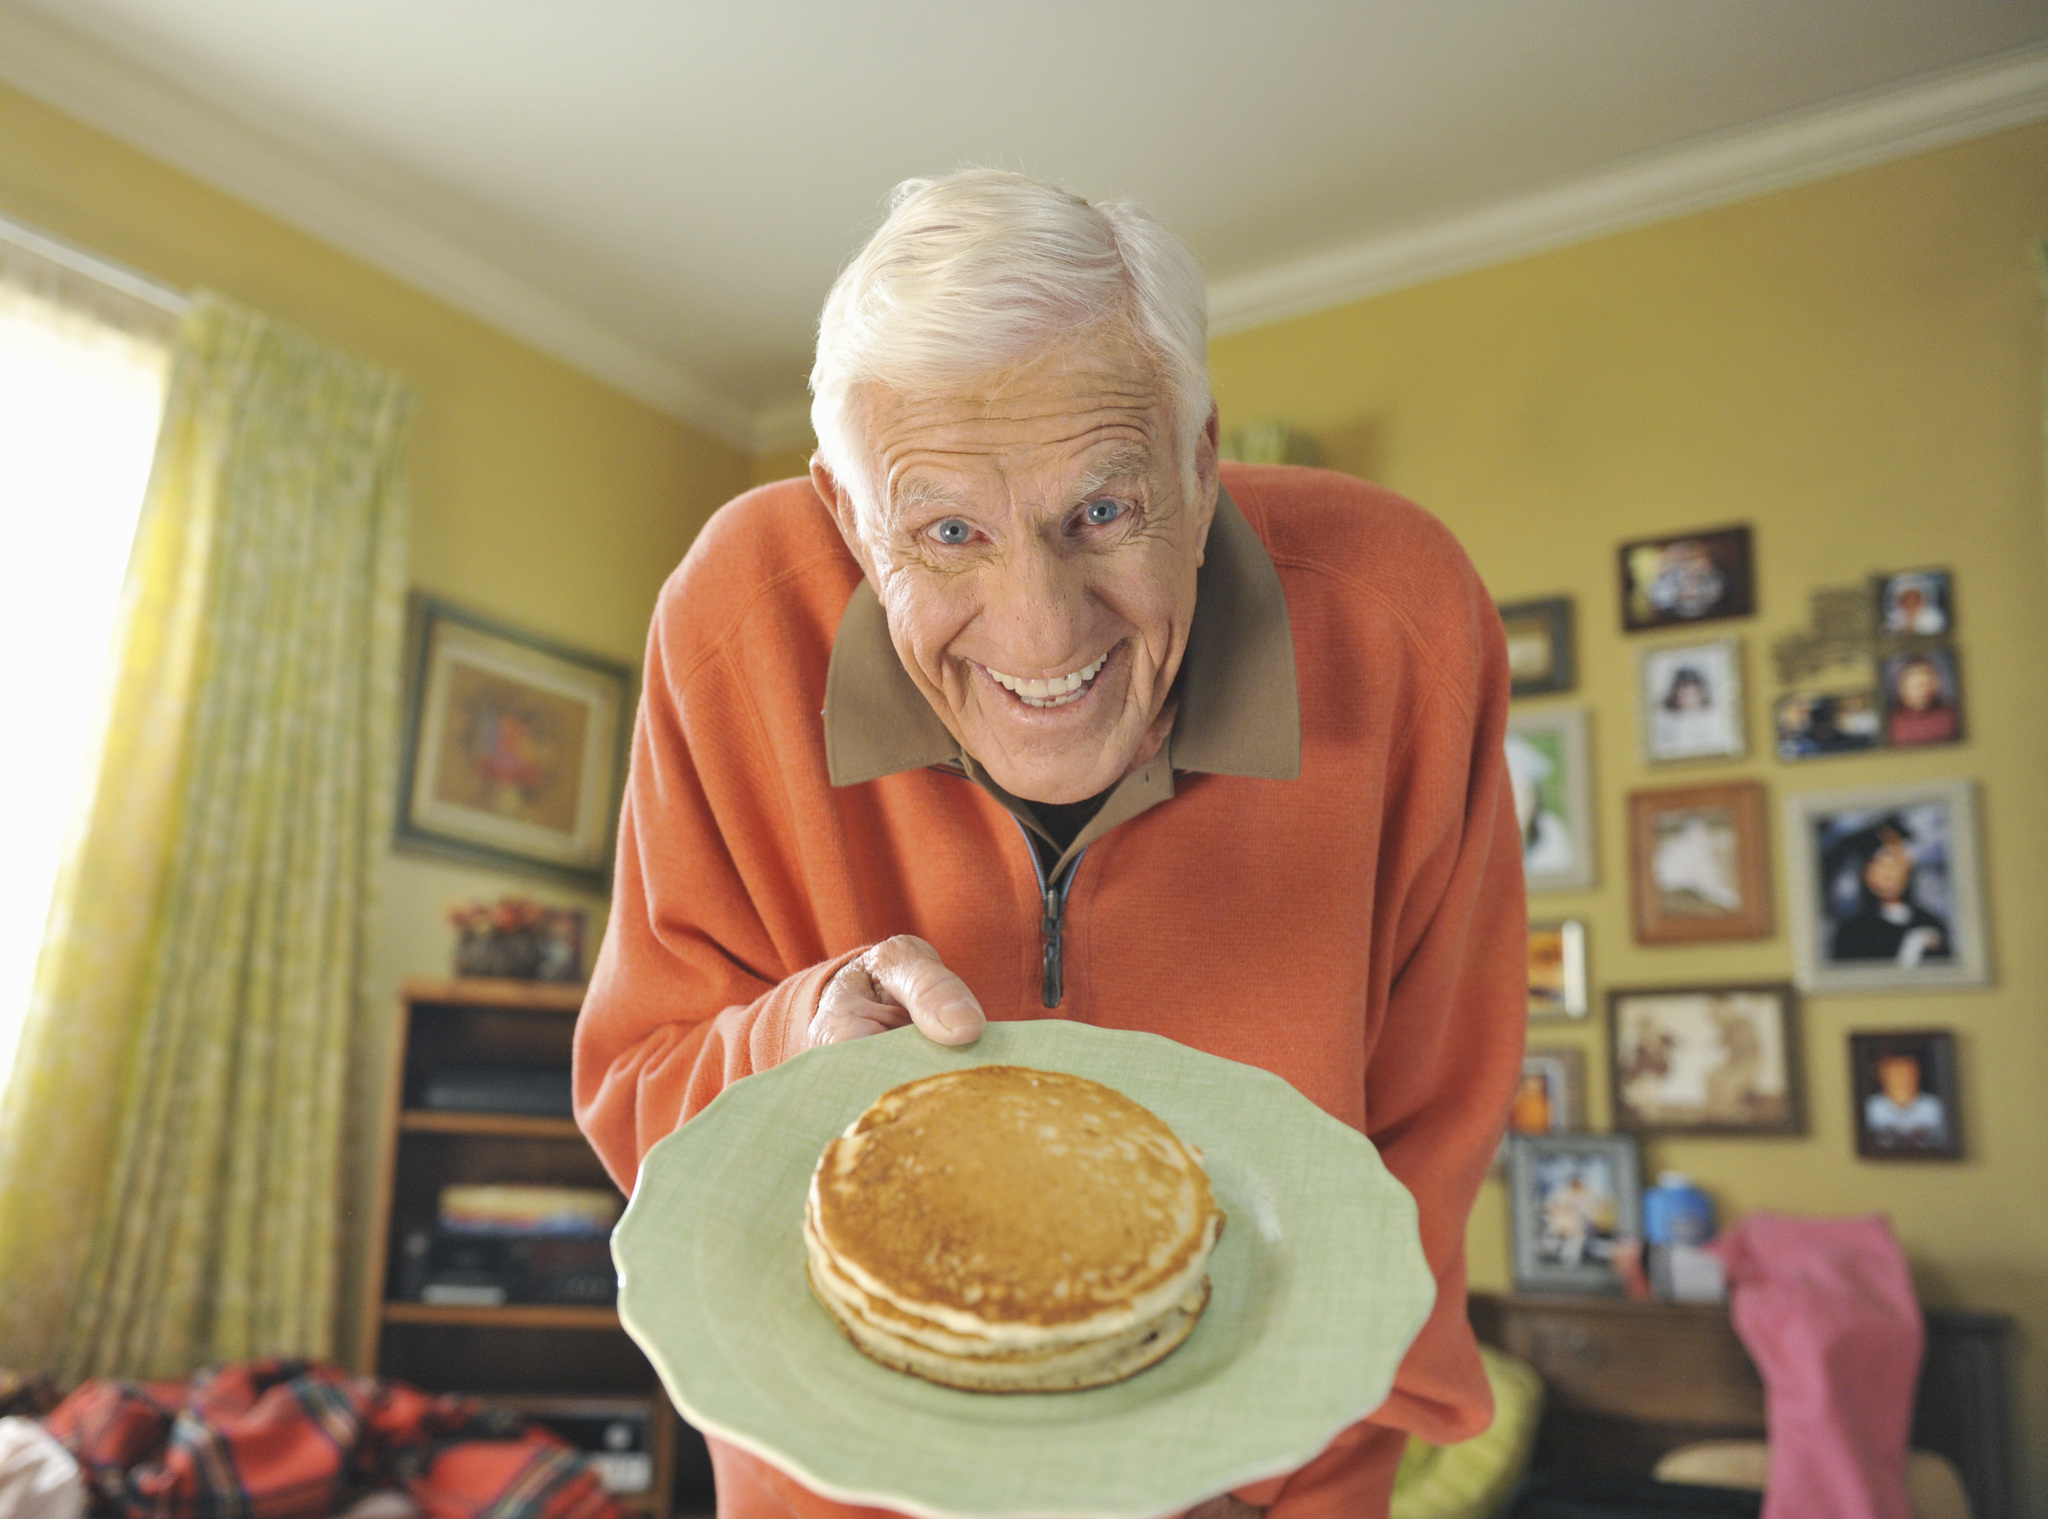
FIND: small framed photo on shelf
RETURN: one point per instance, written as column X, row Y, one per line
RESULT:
column 1886, row 889
column 1550, row 769
column 1688, row 577
column 1557, row 970
column 515, row 747
column 1699, row 868
column 1541, row 654
column 1572, row 1198
column 1692, row 702
column 1923, row 698
column 1815, row 724
column 1902, row 1091
column 1706, row 1060
column 1916, row 604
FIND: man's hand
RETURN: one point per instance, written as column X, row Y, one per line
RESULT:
column 1223, row 1506
column 901, row 980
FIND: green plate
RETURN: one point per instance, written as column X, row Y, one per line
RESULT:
column 1318, row 1286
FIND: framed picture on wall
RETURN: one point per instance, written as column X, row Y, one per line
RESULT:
column 1688, row 577
column 1916, row 604
column 1698, row 865
column 1886, row 889
column 1903, row 1093
column 1706, row 1060
column 1571, row 1199
column 1923, row 697
column 1550, row 1098
column 1815, row 724
column 1549, row 767
column 515, row 747
column 1541, row 654
column 1557, row 969
column 1691, row 702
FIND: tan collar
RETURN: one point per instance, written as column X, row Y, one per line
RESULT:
column 1240, row 710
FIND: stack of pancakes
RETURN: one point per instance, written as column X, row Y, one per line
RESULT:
column 1011, row 1230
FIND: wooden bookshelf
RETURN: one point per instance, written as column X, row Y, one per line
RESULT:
column 572, row 1359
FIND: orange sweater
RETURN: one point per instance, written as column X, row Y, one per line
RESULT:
column 1359, row 930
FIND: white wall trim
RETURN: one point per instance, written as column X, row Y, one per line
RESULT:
column 1872, row 128
column 86, row 82
column 104, row 92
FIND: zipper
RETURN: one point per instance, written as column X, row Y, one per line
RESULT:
column 1053, row 985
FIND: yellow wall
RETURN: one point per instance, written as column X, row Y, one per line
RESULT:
column 767, row 468
column 1855, row 368
column 539, row 495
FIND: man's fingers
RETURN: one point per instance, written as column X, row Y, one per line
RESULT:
column 907, row 971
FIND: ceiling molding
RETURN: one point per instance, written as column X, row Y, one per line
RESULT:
column 1864, row 130
column 86, row 82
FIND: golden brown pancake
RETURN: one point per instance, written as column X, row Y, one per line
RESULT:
column 1003, row 1228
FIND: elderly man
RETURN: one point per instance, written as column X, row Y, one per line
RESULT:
column 1108, row 733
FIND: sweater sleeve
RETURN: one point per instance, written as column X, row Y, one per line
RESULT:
column 1449, row 1050
column 695, row 987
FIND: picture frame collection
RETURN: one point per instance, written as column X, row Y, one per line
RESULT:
column 1882, row 891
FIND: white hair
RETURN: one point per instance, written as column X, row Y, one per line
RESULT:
column 981, row 271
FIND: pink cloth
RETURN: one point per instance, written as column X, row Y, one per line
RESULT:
column 1827, row 1310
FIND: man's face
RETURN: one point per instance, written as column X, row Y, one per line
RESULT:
column 1035, row 551
column 1899, row 1075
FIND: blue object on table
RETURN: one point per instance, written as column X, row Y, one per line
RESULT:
column 1675, row 1212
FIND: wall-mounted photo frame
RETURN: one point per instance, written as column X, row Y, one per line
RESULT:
column 1542, row 651
column 1549, row 1099
column 1923, row 697
column 1887, row 891
column 1557, row 970
column 1706, row 1060
column 1816, row 724
column 1904, row 1095
column 515, row 747
column 1549, row 764
column 1698, row 863
column 1572, row 1198
column 1687, row 578
column 1691, row 701
column 1916, row 604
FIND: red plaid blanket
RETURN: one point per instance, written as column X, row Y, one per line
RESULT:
column 295, row 1440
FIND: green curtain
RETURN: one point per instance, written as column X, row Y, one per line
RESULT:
column 170, row 1141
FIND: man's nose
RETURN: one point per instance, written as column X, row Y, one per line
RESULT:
column 1036, row 609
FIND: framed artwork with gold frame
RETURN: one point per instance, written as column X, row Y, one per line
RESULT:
column 514, row 748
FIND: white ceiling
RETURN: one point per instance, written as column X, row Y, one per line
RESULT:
column 661, row 190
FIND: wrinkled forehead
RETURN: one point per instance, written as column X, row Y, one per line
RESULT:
column 1071, row 420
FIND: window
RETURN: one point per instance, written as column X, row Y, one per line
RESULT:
column 84, row 351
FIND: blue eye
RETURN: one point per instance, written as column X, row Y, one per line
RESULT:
column 1101, row 512
column 952, row 531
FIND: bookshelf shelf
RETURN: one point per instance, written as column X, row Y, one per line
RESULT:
column 515, row 1125
column 504, row 1316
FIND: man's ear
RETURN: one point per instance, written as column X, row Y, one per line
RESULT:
column 1208, row 477
column 839, row 500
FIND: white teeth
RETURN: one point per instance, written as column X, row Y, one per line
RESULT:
column 1056, row 692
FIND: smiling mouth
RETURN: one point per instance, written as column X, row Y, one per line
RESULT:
column 1059, row 691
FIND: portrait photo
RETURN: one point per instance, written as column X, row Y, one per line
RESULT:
column 514, row 747
column 1915, row 604
column 1689, row 577
column 1706, row 1060
column 1886, row 890
column 1691, row 703
column 1903, row 1093
column 1541, row 655
column 1557, row 970
column 1812, row 725
column 1922, row 698
column 1572, row 1197
column 1698, row 863
column 1551, row 1096
column 1547, row 757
